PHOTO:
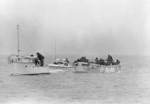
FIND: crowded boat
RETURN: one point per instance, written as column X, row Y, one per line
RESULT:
column 101, row 65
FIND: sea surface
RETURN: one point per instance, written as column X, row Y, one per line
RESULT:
column 130, row 86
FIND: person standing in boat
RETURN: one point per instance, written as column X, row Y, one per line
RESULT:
column 41, row 58
column 96, row 60
column 67, row 60
column 110, row 60
column 36, row 62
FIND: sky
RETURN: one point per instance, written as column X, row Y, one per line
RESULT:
column 77, row 27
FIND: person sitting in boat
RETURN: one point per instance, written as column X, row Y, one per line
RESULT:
column 36, row 62
column 41, row 58
column 67, row 60
column 83, row 59
column 101, row 61
column 117, row 62
column 109, row 60
column 96, row 60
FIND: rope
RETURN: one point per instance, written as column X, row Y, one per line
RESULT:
column 31, row 47
column 27, row 41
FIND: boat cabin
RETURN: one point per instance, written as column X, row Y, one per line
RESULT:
column 21, row 59
column 61, row 61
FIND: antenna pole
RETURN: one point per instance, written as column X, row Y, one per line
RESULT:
column 18, row 41
column 55, row 48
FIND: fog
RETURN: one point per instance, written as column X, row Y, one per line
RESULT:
column 78, row 27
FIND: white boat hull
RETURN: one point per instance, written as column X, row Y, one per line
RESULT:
column 98, row 68
column 81, row 69
column 56, row 70
column 23, row 68
column 110, row 69
column 60, row 67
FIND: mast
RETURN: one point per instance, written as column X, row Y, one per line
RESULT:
column 18, row 40
column 55, row 48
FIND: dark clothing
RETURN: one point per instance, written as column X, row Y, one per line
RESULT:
column 109, row 60
column 102, row 62
column 36, row 62
column 96, row 61
column 42, row 62
column 117, row 62
column 41, row 58
column 67, row 60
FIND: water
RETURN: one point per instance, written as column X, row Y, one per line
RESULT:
column 131, row 86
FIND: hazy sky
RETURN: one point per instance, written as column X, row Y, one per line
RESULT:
column 80, row 27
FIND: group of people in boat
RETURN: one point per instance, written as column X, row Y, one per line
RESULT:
column 39, row 60
column 60, row 61
column 108, row 61
column 82, row 59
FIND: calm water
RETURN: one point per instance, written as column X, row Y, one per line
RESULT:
column 131, row 86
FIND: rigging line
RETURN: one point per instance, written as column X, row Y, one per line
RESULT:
column 25, row 30
column 30, row 33
column 28, row 42
column 18, row 40
column 55, row 48
column 26, row 38
column 34, row 48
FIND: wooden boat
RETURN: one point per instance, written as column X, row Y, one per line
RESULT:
column 82, row 67
column 25, row 65
column 20, row 64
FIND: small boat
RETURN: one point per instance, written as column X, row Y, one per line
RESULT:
column 25, row 65
column 82, row 67
column 60, row 64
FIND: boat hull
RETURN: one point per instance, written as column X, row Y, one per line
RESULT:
column 57, row 69
column 28, row 69
column 97, row 68
column 60, row 67
column 81, row 69
column 110, row 69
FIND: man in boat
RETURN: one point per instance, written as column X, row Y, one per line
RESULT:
column 117, row 62
column 96, row 60
column 110, row 60
column 41, row 58
column 67, row 60
column 83, row 59
column 101, row 61
column 36, row 61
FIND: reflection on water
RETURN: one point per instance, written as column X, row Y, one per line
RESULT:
column 131, row 86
